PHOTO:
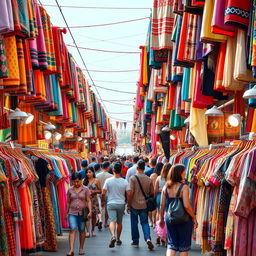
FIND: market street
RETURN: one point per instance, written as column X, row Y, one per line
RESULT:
column 98, row 246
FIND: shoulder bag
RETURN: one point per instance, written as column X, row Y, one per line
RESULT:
column 150, row 201
column 176, row 211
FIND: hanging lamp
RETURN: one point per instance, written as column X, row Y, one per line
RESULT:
column 214, row 111
column 250, row 94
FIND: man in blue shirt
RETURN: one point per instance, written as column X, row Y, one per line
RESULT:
column 84, row 165
column 152, row 167
column 94, row 161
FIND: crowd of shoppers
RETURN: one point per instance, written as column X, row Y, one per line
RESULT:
column 106, row 187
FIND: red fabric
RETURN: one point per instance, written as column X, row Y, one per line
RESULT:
column 200, row 100
column 124, row 170
column 237, row 12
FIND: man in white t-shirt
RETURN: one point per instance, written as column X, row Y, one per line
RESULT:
column 102, row 177
column 116, row 187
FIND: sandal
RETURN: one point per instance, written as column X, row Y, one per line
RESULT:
column 70, row 254
column 81, row 253
column 87, row 234
column 100, row 225
column 93, row 234
column 118, row 242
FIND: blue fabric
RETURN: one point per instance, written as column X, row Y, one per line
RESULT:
column 149, row 171
column 128, row 165
column 179, row 235
column 143, row 215
column 76, row 222
column 56, row 209
column 158, row 200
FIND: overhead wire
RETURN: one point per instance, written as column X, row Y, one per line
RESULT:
column 113, row 71
column 112, row 90
column 108, row 24
column 115, row 82
column 101, row 50
column 121, row 100
column 116, row 103
column 98, row 7
column 120, row 113
column 74, row 41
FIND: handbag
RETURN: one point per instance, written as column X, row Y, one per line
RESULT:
column 176, row 211
column 150, row 201
column 85, row 213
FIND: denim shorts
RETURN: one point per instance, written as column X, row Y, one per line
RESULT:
column 76, row 222
column 116, row 212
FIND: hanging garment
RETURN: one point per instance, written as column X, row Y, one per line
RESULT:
column 3, row 62
column 218, row 26
column 241, row 71
column 237, row 12
column 13, row 80
column 162, row 25
column 6, row 17
column 198, row 126
column 48, row 36
column 228, row 78
column 206, row 34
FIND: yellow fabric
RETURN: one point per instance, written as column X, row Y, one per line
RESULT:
column 198, row 126
column 13, row 79
column 206, row 33
column 254, row 122
column 145, row 66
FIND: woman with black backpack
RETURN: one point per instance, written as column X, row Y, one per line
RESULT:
column 180, row 218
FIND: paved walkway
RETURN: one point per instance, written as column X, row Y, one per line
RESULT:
column 98, row 246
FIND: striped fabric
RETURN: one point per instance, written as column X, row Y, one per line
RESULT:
column 162, row 24
column 50, row 52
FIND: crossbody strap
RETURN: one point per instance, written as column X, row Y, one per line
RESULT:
column 141, row 188
column 179, row 190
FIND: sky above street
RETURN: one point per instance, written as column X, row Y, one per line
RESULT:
column 125, row 37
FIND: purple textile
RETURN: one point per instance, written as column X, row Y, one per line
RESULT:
column 6, row 17
column 199, row 45
column 218, row 19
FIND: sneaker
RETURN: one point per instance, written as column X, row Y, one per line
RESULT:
column 112, row 242
column 134, row 245
column 150, row 245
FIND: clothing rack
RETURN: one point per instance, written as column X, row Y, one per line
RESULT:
column 27, row 148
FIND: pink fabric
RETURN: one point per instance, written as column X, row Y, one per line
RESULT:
column 218, row 26
column 153, row 135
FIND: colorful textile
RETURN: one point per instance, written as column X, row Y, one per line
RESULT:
column 218, row 26
column 237, row 12
column 162, row 24
column 206, row 34
column 13, row 80
column 23, row 17
column 50, row 233
column 50, row 52
column 22, row 68
column 3, row 63
column 6, row 17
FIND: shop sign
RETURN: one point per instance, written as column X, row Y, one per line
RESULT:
column 43, row 144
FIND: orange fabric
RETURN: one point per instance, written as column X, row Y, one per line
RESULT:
column 28, row 132
column 13, row 80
